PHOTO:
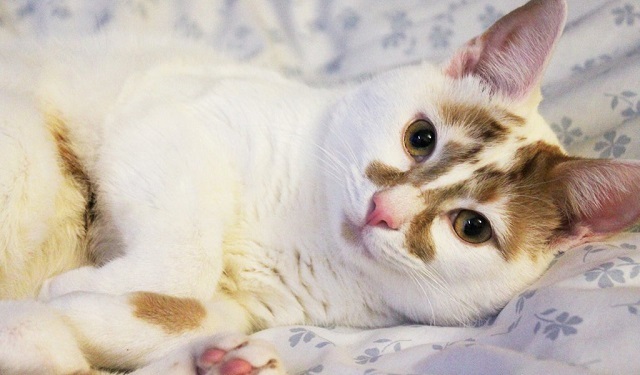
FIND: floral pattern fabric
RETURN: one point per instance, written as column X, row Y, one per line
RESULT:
column 583, row 315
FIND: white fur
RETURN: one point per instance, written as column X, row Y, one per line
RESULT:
column 232, row 185
column 36, row 340
column 194, row 169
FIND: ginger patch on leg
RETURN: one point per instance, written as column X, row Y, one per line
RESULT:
column 172, row 314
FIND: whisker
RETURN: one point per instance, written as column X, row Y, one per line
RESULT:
column 415, row 278
column 336, row 158
column 434, row 275
column 346, row 144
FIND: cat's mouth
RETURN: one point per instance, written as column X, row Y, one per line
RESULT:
column 366, row 239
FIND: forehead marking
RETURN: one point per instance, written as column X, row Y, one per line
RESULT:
column 531, row 214
column 383, row 175
column 484, row 124
column 453, row 153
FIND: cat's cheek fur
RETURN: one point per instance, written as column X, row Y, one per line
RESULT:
column 473, row 270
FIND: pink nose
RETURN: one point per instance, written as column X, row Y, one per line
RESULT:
column 383, row 214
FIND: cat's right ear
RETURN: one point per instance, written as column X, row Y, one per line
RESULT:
column 511, row 56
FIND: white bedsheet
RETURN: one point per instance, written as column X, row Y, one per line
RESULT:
column 583, row 316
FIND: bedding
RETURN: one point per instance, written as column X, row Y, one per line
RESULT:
column 583, row 315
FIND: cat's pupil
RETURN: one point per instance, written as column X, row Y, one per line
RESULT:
column 422, row 138
column 474, row 226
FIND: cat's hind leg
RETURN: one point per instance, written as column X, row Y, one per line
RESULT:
column 42, row 197
column 171, row 191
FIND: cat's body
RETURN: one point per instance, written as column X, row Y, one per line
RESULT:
column 273, row 180
column 244, row 200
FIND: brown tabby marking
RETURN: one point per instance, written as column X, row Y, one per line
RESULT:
column 453, row 153
column 172, row 314
column 482, row 126
column 384, row 175
column 532, row 214
column 349, row 233
column 487, row 124
column 531, row 211
column 418, row 237
column 70, row 163
column 481, row 122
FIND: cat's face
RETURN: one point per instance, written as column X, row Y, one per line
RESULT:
column 450, row 188
column 443, row 191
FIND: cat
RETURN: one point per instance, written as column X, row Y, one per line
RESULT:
column 159, row 204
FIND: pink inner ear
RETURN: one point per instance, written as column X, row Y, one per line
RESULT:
column 601, row 197
column 617, row 213
column 512, row 54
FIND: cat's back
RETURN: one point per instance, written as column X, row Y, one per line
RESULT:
column 68, row 104
column 86, row 80
column 81, row 78
column 55, row 97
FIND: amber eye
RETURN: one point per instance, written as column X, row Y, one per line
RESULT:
column 472, row 227
column 420, row 139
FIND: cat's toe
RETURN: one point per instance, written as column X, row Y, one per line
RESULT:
column 238, row 355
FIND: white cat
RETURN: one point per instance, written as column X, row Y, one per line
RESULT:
column 175, row 203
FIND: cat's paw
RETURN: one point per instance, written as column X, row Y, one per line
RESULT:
column 237, row 354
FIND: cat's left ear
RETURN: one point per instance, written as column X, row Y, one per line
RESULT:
column 511, row 56
column 597, row 197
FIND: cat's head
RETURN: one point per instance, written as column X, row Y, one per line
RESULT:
column 449, row 183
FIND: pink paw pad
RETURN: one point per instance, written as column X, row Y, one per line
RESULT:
column 236, row 366
column 235, row 354
column 213, row 356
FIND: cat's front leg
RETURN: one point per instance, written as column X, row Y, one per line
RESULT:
column 165, row 269
column 222, row 354
column 125, row 332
